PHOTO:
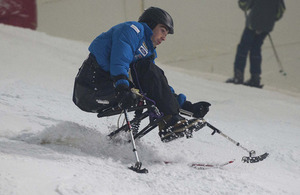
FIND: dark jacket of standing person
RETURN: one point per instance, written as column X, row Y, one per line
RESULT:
column 263, row 13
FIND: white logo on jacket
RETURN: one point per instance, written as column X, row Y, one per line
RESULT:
column 137, row 30
column 143, row 49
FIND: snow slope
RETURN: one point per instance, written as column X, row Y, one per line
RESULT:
column 48, row 146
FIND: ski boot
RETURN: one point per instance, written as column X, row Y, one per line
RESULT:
column 177, row 127
column 238, row 78
column 194, row 125
column 254, row 81
column 172, row 127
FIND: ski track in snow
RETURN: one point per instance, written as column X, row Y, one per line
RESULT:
column 48, row 146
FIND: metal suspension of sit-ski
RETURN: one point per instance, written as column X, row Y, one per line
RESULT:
column 138, row 165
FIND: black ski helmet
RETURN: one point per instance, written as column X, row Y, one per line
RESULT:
column 154, row 16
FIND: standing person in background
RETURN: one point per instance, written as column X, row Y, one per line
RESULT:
column 21, row 13
column 259, row 23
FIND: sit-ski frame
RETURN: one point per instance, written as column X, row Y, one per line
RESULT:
column 151, row 110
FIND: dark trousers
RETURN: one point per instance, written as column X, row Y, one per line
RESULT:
column 94, row 89
column 151, row 80
column 251, row 43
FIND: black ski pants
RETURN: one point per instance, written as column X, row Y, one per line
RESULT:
column 94, row 89
column 151, row 80
column 251, row 42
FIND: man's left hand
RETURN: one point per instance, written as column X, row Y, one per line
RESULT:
column 199, row 109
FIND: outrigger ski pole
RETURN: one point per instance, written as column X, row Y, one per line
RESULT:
column 248, row 159
column 138, row 165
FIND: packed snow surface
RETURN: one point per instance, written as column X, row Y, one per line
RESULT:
column 49, row 146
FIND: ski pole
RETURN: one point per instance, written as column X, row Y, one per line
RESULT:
column 215, row 130
column 277, row 57
column 252, row 158
column 138, row 164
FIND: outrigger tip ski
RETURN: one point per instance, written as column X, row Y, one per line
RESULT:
column 138, row 168
column 254, row 159
column 246, row 159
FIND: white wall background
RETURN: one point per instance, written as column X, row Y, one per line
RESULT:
column 206, row 32
column 84, row 19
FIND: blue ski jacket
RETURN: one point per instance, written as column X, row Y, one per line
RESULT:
column 123, row 44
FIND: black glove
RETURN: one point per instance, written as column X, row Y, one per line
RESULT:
column 199, row 109
column 125, row 97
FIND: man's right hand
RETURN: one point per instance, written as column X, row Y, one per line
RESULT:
column 125, row 97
